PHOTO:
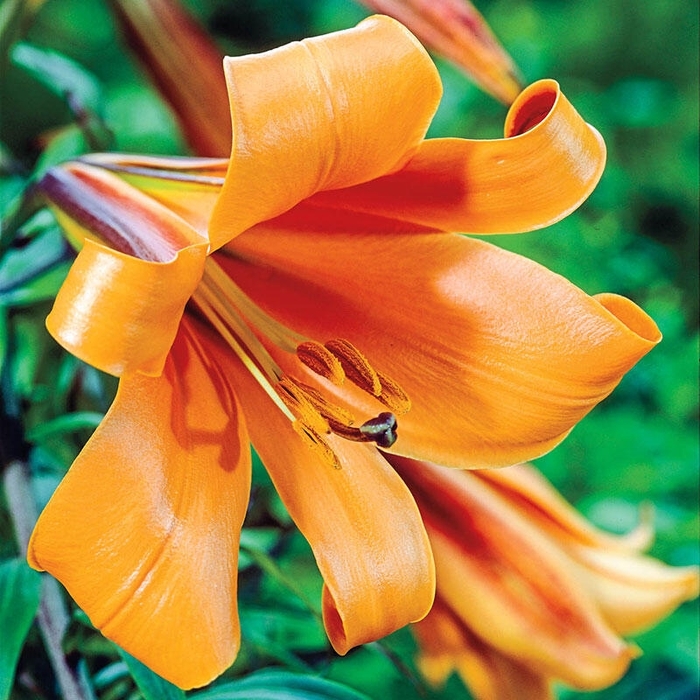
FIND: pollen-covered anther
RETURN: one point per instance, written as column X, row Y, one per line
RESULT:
column 321, row 360
column 296, row 400
column 361, row 373
column 330, row 411
column 393, row 396
column 356, row 366
column 317, row 444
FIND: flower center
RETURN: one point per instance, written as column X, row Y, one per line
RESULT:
column 242, row 324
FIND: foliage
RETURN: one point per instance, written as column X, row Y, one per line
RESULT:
column 70, row 85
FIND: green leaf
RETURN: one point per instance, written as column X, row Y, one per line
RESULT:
column 278, row 634
column 68, row 423
column 26, row 349
column 19, row 265
column 13, row 15
column 4, row 337
column 68, row 143
column 60, row 74
column 151, row 685
column 40, row 288
column 20, row 592
column 280, row 685
column 259, row 539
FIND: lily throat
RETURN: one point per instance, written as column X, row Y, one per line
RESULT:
column 251, row 334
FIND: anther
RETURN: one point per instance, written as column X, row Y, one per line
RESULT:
column 321, row 360
column 317, row 444
column 356, row 366
column 381, row 429
column 296, row 400
column 393, row 396
column 330, row 411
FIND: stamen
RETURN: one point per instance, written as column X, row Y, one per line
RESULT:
column 221, row 313
column 330, row 411
column 223, row 323
column 393, row 396
column 285, row 338
column 299, row 404
column 315, row 442
column 322, row 361
column 312, row 415
column 356, row 366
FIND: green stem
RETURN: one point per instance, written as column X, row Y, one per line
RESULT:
column 52, row 616
column 403, row 668
column 270, row 567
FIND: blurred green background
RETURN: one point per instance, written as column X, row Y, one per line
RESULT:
column 630, row 68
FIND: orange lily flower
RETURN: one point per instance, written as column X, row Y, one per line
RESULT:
column 302, row 295
column 456, row 30
column 529, row 592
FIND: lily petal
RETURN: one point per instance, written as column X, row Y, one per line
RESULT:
column 548, row 163
column 634, row 592
column 360, row 519
column 499, row 356
column 156, row 500
column 121, row 314
column 524, row 596
column 92, row 203
column 121, row 303
column 529, row 492
column 188, row 187
column 323, row 113
column 447, row 645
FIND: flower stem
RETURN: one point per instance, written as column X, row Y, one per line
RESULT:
column 52, row 616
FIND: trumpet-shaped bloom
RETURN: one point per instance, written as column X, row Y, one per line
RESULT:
column 309, row 295
column 529, row 592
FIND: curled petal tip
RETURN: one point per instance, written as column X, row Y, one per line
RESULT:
column 322, row 114
column 558, row 141
column 121, row 314
column 639, row 325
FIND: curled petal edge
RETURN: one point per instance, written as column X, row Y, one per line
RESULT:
column 322, row 114
column 121, row 314
column 546, row 166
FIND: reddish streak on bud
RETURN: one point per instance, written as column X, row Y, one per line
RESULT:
column 185, row 65
column 455, row 29
column 115, row 213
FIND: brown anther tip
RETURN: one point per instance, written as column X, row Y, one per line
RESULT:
column 356, row 366
column 321, row 360
column 381, row 429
